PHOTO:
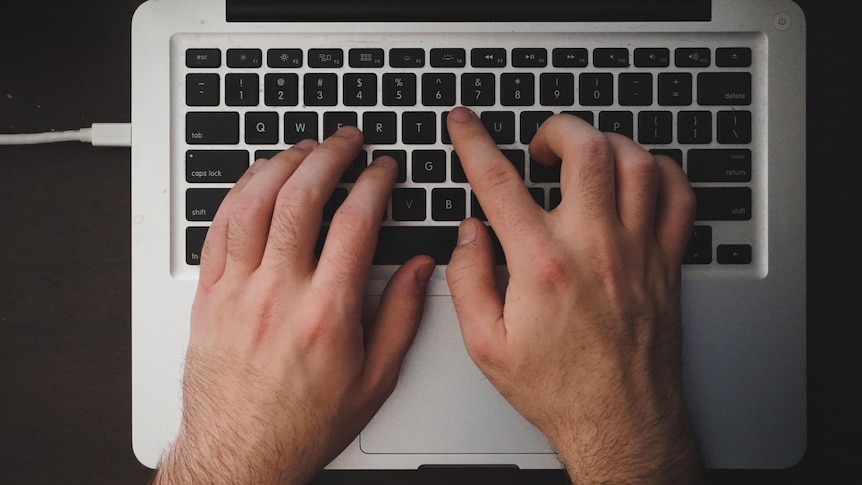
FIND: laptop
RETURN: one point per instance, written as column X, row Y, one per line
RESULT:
column 718, row 85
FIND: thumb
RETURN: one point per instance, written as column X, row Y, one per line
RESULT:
column 473, row 285
column 396, row 323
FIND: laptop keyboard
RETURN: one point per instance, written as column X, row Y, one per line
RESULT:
column 695, row 102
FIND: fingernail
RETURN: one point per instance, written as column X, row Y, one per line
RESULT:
column 305, row 145
column 424, row 273
column 461, row 114
column 466, row 233
column 347, row 131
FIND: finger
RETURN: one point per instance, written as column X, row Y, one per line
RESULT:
column 637, row 182
column 473, row 285
column 675, row 209
column 587, row 171
column 499, row 188
column 395, row 324
column 237, row 235
column 352, row 237
column 298, row 208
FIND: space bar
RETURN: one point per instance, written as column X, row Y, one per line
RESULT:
column 397, row 244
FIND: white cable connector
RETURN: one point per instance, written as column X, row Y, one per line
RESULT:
column 99, row 134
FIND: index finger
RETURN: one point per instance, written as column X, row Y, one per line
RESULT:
column 498, row 186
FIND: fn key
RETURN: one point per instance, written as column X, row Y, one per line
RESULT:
column 195, row 237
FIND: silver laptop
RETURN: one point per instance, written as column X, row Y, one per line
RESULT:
column 718, row 85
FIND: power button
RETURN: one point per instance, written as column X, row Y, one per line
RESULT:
column 781, row 21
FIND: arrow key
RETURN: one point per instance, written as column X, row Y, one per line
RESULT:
column 733, row 254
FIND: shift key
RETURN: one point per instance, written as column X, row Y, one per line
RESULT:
column 212, row 128
column 723, row 203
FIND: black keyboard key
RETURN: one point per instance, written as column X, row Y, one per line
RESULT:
column 733, row 57
column 723, row 203
column 675, row 89
column 692, row 57
column 530, row 57
column 448, row 204
column 429, row 166
column 241, row 89
column 397, row 244
column 261, row 128
column 408, row 204
column 596, row 89
column 411, row 57
column 652, row 57
column 694, row 127
column 244, row 58
column 281, row 89
column 195, row 237
column 621, row 122
column 500, row 125
column 517, row 89
column 335, row 120
column 699, row 250
column 655, row 127
column 326, row 58
column 284, row 58
column 321, row 89
column 380, row 127
column 365, row 57
column 215, row 166
column 300, row 125
column 611, row 57
column 570, row 57
column 733, row 254
column 419, row 127
column 438, row 89
column 478, row 89
column 399, row 89
column 635, row 89
column 202, row 204
column 360, row 89
column 448, row 57
column 719, row 165
column 724, row 88
column 203, row 90
column 203, row 58
column 212, row 128
column 734, row 127
column 557, row 89
column 488, row 57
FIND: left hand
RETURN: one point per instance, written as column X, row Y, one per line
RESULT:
column 281, row 373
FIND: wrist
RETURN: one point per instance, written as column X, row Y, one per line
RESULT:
column 622, row 460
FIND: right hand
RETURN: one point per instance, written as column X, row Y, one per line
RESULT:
column 585, row 343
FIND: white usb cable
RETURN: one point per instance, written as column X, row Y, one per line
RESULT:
column 99, row 134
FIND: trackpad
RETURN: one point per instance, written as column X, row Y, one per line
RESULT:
column 443, row 403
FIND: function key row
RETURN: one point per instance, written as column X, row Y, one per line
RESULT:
column 486, row 57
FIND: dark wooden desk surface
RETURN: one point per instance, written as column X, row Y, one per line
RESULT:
column 65, row 372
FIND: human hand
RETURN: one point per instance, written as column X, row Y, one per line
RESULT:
column 281, row 373
column 586, row 341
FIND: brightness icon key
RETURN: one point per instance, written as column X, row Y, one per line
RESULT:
column 244, row 58
column 284, row 58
